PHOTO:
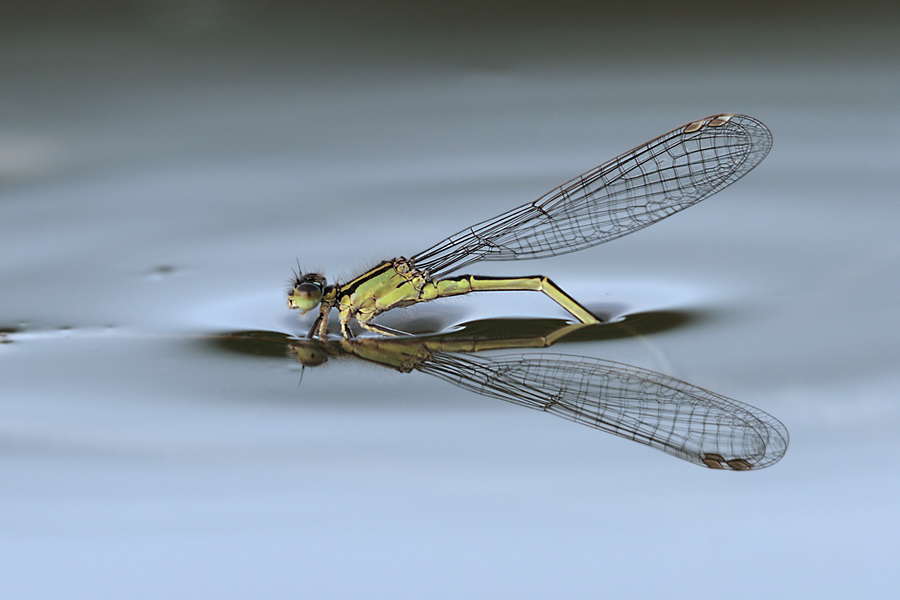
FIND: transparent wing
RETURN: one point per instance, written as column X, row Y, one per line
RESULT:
column 626, row 194
column 683, row 420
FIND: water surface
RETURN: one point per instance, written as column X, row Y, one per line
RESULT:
column 158, row 187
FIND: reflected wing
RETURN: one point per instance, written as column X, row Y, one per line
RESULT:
column 683, row 420
column 626, row 194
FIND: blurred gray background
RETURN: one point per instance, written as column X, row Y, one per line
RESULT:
column 164, row 165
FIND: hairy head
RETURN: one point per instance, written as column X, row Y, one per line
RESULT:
column 306, row 291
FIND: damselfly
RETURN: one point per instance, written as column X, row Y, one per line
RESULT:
column 628, row 193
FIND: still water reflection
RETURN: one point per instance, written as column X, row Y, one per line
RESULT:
column 651, row 408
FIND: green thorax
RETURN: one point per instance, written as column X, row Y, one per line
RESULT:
column 392, row 284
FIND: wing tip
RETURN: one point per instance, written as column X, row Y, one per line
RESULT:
column 712, row 121
column 717, row 461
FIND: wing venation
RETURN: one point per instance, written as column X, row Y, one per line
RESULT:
column 628, row 193
column 681, row 419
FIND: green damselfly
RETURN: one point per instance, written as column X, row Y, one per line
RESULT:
column 628, row 193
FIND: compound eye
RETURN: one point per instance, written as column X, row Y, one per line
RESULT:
column 306, row 296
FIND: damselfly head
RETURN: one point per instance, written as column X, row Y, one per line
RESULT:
column 306, row 291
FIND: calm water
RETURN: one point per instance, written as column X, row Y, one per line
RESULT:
column 159, row 185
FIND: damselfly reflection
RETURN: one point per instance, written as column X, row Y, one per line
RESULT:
column 681, row 419
column 628, row 193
